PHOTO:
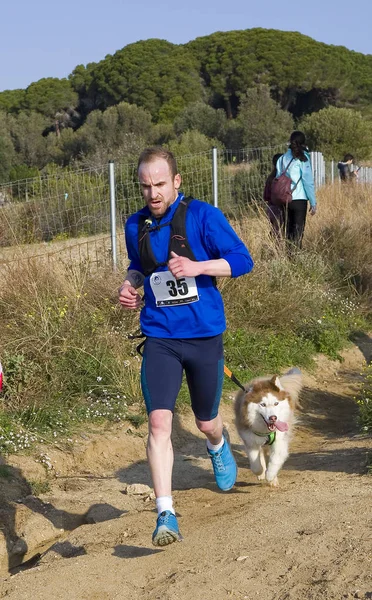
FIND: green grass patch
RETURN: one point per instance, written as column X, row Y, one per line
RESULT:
column 365, row 409
column 365, row 401
column 39, row 487
column 330, row 333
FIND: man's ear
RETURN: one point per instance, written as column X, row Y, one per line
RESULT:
column 177, row 181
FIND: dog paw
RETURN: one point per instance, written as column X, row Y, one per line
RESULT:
column 261, row 477
column 274, row 483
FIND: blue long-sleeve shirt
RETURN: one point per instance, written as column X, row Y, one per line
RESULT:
column 300, row 172
column 210, row 237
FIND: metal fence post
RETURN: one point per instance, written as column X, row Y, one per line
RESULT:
column 113, row 213
column 314, row 167
column 215, row 176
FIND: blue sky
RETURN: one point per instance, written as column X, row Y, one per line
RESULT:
column 43, row 38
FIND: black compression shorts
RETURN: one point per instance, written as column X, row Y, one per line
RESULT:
column 164, row 361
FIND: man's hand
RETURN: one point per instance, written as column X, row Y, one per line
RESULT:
column 313, row 210
column 180, row 266
column 129, row 297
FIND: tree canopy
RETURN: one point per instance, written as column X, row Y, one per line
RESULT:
column 151, row 74
column 237, row 87
column 49, row 96
column 202, row 117
column 303, row 75
column 120, row 130
column 262, row 121
column 338, row 131
column 12, row 100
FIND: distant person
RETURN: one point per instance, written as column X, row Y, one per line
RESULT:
column 296, row 163
column 274, row 212
column 347, row 169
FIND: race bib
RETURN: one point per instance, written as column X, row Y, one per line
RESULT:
column 169, row 291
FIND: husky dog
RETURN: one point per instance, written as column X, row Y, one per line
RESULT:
column 264, row 417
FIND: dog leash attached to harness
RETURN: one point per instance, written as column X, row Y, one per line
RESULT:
column 135, row 336
column 231, row 376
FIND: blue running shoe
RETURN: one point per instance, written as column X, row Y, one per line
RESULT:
column 224, row 467
column 166, row 531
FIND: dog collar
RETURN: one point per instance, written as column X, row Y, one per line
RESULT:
column 270, row 436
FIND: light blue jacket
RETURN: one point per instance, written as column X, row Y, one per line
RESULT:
column 300, row 172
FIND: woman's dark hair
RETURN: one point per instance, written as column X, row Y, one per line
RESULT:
column 275, row 160
column 297, row 144
column 348, row 157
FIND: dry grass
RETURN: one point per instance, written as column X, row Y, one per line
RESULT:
column 64, row 336
column 342, row 233
column 61, row 329
column 93, row 251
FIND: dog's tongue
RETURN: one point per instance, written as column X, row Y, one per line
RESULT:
column 281, row 426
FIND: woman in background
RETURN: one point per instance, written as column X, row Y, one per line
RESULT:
column 348, row 171
column 297, row 162
column 274, row 212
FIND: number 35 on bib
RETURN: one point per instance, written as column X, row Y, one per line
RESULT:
column 169, row 291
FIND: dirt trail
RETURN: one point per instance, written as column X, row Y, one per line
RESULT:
column 309, row 539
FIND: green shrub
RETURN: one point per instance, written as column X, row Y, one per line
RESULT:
column 365, row 402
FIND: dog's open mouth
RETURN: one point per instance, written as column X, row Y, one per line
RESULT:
column 279, row 425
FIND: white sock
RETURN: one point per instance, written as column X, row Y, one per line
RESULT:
column 165, row 503
column 216, row 447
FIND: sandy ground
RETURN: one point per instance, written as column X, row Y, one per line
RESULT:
column 308, row 539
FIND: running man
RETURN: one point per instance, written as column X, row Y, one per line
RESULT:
column 177, row 247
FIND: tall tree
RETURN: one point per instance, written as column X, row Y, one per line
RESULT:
column 7, row 156
column 7, row 151
column 49, row 96
column 149, row 74
column 12, row 100
column 119, row 130
column 53, row 98
column 338, row 131
column 293, row 65
column 204, row 118
column 261, row 119
column 31, row 146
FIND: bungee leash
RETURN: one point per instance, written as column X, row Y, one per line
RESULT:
column 231, row 376
column 136, row 336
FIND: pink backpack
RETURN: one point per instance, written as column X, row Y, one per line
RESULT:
column 281, row 188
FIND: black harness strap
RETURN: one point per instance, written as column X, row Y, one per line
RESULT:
column 133, row 336
column 178, row 241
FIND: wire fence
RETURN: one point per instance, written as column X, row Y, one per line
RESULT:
column 66, row 214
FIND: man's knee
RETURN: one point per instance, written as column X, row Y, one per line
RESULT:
column 160, row 423
column 207, row 427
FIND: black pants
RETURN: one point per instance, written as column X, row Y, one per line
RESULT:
column 295, row 219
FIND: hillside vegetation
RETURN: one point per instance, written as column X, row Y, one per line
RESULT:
column 64, row 344
column 152, row 91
